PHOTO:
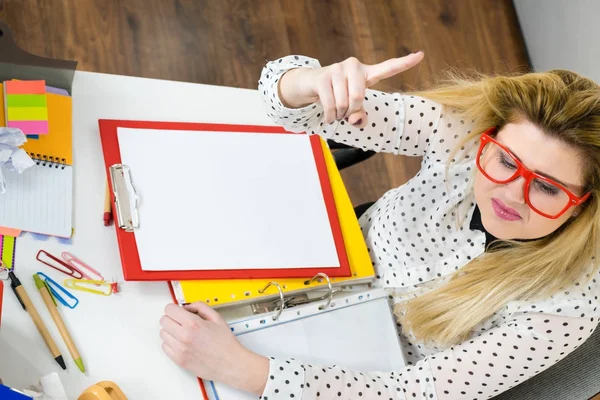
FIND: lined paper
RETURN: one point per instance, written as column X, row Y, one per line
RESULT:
column 39, row 200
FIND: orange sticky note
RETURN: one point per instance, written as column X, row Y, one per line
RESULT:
column 25, row 87
column 9, row 231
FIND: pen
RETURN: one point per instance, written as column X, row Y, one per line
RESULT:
column 107, row 207
column 60, row 324
column 25, row 301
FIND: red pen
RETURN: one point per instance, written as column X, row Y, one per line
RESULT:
column 107, row 208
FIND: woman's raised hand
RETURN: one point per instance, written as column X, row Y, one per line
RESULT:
column 340, row 87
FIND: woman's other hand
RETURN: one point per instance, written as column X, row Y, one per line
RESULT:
column 199, row 340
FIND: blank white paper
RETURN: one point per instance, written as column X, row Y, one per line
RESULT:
column 226, row 200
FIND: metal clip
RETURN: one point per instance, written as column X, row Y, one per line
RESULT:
column 295, row 300
column 126, row 197
column 281, row 299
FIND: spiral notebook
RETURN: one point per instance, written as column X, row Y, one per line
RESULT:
column 356, row 331
column 40, row 199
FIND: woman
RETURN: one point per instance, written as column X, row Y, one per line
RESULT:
column 489, row 252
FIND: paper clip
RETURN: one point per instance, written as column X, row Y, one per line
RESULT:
column 81, row 266
column 58, row 264
column 3, row 272
column 54, row 289
column 92, row 286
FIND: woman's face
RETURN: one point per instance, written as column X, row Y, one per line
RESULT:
column 504, row 212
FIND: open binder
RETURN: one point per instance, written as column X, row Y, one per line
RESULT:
column 356, row 330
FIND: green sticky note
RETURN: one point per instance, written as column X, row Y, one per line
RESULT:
column 27, row 114
column 26, row 100
column 8, row 250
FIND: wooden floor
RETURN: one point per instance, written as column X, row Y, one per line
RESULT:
column 227, row 42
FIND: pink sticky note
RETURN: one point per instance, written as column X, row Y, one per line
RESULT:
column 25, row 87
column 30, row 127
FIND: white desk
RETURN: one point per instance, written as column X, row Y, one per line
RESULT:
column 117, row 336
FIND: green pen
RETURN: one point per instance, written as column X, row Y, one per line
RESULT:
column 48, row 300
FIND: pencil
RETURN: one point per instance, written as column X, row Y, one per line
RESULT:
column 60, row 324
column 107, row 207
column 23, row 297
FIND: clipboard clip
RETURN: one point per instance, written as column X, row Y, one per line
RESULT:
column 284, row 302
column 126, row 197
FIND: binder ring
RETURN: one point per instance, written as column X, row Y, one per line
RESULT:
column 330, row 295
column 281, row 298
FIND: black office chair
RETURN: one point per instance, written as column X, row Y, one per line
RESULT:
column 575, row 377
column 346, row 156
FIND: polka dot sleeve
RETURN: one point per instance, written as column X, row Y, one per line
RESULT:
column 397, row 123
column 483, row 367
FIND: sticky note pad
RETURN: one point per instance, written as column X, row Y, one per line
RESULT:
column 25, row 87
column 26, row 107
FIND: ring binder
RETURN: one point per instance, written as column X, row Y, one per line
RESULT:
column 281, row 298
column 285, row 302
column 341, row 334
column 125, row 197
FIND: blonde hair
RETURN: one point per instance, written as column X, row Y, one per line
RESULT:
column 565, row 106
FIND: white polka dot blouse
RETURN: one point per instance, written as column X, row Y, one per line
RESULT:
column 414, row 239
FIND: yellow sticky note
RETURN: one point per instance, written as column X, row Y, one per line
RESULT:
column 27, row 114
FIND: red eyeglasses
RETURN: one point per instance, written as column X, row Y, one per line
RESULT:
column 545, row 196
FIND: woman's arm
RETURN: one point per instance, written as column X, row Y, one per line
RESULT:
column 199, row 340
column 389, row 122
column 494, row 362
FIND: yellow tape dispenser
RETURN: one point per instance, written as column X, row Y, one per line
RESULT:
column 105, row 390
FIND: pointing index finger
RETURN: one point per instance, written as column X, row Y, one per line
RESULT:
column 392, row 67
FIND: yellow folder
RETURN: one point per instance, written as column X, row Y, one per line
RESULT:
column 222, row 292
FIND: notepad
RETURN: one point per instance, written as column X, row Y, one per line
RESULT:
column 238, row 200
column 40, row 199
column 357, row 332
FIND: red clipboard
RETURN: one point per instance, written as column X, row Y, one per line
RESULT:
column 132, row 269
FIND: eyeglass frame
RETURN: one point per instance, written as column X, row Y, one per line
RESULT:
column 527, row 174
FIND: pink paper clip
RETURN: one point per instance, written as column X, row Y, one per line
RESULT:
column 81, row 266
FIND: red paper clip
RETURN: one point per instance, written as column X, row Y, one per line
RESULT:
column 58, row 264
